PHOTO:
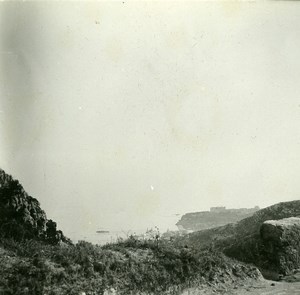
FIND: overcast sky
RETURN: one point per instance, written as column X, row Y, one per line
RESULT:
column 139, row 110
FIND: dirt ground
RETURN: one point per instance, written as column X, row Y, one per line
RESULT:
column 279, row 288
column 263, row 287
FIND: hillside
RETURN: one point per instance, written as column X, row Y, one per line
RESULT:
column 243, row 240
column 36, row 258
column 246, row 227
column 34, row 261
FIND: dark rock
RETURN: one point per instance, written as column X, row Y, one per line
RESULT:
column 21, row 216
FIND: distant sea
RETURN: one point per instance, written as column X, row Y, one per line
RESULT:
column 164, row 223
column 104, row 238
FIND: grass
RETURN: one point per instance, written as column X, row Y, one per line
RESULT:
column 133, row 266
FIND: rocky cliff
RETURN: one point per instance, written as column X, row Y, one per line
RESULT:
column 21, row 216
column 217, row 216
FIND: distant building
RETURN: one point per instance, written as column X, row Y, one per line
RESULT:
column 217, row 209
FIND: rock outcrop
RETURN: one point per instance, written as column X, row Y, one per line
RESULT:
column 21, row 216
column 281, row 244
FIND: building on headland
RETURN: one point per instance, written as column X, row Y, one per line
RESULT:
column 217, row 209
column 239, row 210
column 216, row 216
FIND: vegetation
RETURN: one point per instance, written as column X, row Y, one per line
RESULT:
column 36, row 258
column 133, row 266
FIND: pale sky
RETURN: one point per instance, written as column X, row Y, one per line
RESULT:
column 115, row 113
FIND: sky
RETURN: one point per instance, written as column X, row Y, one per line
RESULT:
column 116, row 114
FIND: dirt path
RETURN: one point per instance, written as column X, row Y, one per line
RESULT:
column 260, row 288
column 279, row 288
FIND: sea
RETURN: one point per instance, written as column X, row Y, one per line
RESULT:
column 101, row 236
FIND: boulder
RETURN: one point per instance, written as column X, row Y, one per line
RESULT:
column 281, row 244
